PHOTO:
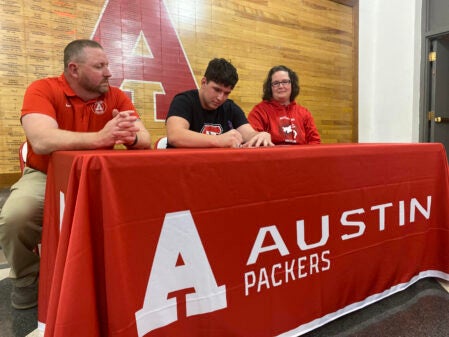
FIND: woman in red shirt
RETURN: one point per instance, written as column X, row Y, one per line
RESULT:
column 279, row 114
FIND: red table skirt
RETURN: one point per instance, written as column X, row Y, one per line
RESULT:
column 236, row 242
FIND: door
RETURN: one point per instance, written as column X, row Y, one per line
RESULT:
column 439, row 92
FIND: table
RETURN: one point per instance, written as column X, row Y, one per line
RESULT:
column 237, row 242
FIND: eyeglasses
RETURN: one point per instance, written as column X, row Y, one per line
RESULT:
column 277, row 84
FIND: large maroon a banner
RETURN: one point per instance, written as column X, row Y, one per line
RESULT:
column 142, row 45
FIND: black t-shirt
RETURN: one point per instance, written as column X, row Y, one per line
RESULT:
column 188, row 106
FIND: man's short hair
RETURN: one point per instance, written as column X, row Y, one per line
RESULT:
column 222, row 72
column 75, row 48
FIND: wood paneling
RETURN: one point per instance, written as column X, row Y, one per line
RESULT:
column 316, row 38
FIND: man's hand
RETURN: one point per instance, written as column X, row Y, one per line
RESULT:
column 232, row 138
column 45, row 136
column 259, row 139
column 121, row 129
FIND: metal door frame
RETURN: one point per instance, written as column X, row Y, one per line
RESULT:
column 427, row 37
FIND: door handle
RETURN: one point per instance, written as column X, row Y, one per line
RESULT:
column 441, row 120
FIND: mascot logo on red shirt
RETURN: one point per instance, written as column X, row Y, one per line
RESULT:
column 288, row 129
column 99, row 107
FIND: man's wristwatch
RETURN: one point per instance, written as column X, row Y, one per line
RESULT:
column 135, row 141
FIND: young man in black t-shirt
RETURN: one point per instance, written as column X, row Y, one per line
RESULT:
column 205, row 117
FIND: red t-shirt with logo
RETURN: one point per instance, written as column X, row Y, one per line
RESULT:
column 54, row 97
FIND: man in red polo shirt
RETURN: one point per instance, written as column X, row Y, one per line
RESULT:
column 77, row 111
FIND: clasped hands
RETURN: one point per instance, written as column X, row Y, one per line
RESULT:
column 121, row 129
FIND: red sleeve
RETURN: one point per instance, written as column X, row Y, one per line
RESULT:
column 37, row 99
column 312, row 135
column 255, row 118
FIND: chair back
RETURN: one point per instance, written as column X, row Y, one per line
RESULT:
column 23, row 151
column 161, row 143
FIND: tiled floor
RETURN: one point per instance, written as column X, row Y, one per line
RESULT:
column 15, row 323
column 422, row 310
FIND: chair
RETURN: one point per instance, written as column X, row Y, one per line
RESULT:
column 23, row 151
column 161, row 143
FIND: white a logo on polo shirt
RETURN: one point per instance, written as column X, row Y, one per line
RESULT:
column 180, row 266
column 99, row 107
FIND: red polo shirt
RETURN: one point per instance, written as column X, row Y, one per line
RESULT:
column 54, row 97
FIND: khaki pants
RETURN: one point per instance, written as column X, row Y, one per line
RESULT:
column 21, row 226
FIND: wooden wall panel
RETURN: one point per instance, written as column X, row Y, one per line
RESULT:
column 314, row 37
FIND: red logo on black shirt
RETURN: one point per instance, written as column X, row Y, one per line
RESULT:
column 212, row 129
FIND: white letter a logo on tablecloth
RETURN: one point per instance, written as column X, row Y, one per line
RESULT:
column 179, row 240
